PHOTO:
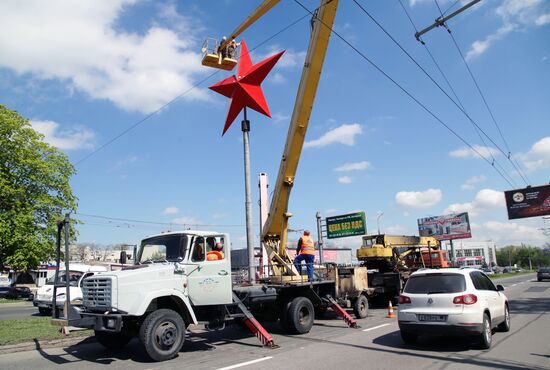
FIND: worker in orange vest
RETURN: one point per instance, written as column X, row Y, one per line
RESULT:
column 305, row 252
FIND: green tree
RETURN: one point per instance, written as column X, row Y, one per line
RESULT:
column 34, row 191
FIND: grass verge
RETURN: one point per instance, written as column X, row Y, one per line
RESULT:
column 511, row 274
column 5, row 300
column 26, row 330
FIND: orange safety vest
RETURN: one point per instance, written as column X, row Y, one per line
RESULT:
column 214, row 256
column 307, row 245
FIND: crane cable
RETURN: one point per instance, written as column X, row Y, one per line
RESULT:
column 459, row 106
column 409, row 94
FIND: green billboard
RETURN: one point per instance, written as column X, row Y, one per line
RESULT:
column 346, row 225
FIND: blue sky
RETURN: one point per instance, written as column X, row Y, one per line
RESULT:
column 84, row 72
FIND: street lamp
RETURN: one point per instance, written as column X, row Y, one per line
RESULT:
column 378, row 215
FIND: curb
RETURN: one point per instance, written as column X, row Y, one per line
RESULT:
column 39, row 344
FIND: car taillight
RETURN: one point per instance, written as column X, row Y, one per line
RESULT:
column 403, row 299
column 465, row 299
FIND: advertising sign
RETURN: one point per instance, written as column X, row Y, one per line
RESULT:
column 528, row 202
column 346, row 225
column 445, row 227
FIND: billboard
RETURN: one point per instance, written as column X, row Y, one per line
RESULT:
column 346, row 225
column 528, row 202
column 446, row 227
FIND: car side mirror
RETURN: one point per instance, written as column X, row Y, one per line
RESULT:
column 500, row 288
column 123, row 257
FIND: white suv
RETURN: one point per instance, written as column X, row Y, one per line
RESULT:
column 452, row 302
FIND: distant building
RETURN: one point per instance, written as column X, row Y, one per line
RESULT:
column 473, row 254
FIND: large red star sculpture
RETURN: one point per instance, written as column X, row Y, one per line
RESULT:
column 244, row 89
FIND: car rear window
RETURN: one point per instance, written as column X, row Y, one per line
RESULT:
column 435, row 284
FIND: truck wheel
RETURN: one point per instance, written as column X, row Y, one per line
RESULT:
column 112, row 340
column 361, row 307
column 301, row 315
column 284, row 318
column 45, row 311
column 162, row 334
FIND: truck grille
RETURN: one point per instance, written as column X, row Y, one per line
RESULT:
column 96, row 292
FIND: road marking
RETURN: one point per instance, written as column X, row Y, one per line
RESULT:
column 376, row 327
column 245, row 363
column 514, row 284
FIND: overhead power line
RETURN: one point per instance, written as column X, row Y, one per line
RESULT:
column 509, row 154
column 197, row 84
column 409, row 94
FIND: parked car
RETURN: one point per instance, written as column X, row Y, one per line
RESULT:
column 488, row 271
column 77, row 273
column 455, row 301
column 543, row 273
column 16, row 292
column 4, row 281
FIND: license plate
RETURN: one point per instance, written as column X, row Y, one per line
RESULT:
column 435, row 318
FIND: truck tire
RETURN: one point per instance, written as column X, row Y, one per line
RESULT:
column 300, row 315
column 162, row 334
column 283, row 317
column 112, row 340
column 361, row 307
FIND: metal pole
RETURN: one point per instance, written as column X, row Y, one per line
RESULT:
column 441, row 20
column 378, row 220
column 67, row 275
column 320, row 237
column 453, row 257
column 248, row 200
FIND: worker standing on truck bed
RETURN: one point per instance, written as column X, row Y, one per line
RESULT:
column 305, row 251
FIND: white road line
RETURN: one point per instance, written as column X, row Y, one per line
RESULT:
column 245, row 363
column 376, row 327
column 514, row 284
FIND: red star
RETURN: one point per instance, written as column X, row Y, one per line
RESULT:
column 244, row 89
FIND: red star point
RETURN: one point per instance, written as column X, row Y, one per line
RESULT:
column 244, row 89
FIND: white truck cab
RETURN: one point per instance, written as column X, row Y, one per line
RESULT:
column 77, row 273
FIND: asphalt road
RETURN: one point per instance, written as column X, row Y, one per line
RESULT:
column 20, row 310
column 331, row 345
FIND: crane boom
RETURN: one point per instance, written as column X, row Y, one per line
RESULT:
column 263, row 8
column 274, row 234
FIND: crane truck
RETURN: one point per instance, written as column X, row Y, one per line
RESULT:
column 173, row 283
column 392, row 258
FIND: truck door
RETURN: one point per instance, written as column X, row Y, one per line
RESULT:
column 210, row 280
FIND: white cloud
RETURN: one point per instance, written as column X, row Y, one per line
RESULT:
column 277, row 78
column 279, row 117
column 418, row 199
column 185, row 221
column 345, row 180
column 516, row 15
column 505, row 233
column 290, row 59
column 467, row 152
column 472, row 181
column 394, row 230
column 80, row 45
column 344, row 134
column 479, row 47
column 70, row 139
column 170, row 210
column 357, row 166
column 485, row 199
column 218, row 216
column 538, row 157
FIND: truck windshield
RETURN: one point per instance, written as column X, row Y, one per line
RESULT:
column 435, row 284
column 74, row 277
column 163, row 248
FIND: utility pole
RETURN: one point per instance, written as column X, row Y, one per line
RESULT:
column 440, row 21
column 248, row 200
column 319, row 237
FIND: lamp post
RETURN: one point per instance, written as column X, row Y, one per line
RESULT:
column 378, row 215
